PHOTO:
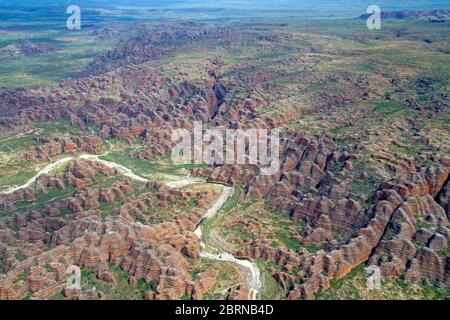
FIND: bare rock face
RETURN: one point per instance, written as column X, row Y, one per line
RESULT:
column 238, row 293
column 418, row 230
column 404, row 232
column 435, row 178
column 191, row 248
column 70, row 145
column 25, row 48
column 11, row 50
column 205, row 281
column 443, row 198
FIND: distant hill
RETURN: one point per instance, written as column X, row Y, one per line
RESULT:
column 431, row 15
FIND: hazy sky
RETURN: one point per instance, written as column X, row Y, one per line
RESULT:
column 210, row 9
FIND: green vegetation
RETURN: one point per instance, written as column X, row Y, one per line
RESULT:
column 365, row 178
column 57, row 296
column 23, row 276
column 147, row 168
column 123, row 290
column 353, row 287
column 390, row 109
column 232, row 201
column 14, row 169
column 338, row 131
column 212, row 223
column 70, row 57
column 227, row 276
column 287, row 241
column 408, row 151
column 239, row 221
column 328, row 75
column 270, row 290
column 52, row 195
column 313, row 249
column 443, row 253
column 57, row 129
column 19, row 256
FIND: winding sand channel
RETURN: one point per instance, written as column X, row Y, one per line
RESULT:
column 250, row 269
